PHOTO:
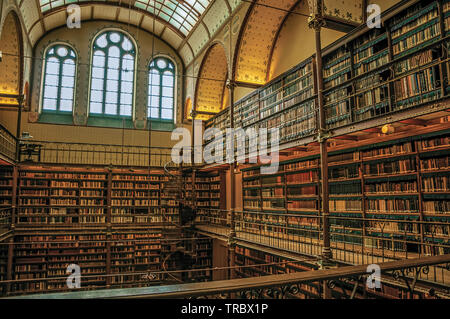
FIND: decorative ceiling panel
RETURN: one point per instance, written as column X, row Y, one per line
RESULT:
column 234, row 4
column 186, row 53
column 105, row 12
column 212, row 78
column 349, row 10
column 129, row 16
column 198, row 39
column 10, row 66
column 183, row 15
column 216, row 15
column 148, row 22
column 172, row 37
column 55, row 20
column 30, row 13
column 35, row 33
column 258, row 38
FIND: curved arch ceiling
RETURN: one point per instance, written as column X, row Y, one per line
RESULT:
column 210, row 87
column 12, row 65
column 186, row 25
column 182, row 15
column 258, row 37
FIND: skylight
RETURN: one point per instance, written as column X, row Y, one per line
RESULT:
column 183, row 15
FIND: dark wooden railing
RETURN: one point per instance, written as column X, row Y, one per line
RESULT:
column 276, row 286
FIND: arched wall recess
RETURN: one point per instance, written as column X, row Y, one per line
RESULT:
column 257, row 38
column 11, row 44
column 211, row 84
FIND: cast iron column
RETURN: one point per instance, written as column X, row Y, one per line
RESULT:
column 316, row 22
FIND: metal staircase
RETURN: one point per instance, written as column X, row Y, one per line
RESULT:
column 176, row 251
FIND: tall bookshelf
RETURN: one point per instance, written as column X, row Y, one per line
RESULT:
column 387, row 185
column 373, row 73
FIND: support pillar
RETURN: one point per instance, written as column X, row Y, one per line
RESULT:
column 316, row 22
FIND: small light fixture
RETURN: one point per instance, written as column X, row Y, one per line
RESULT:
column 387, row 129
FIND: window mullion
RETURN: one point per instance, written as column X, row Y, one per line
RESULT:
column 105, row 74
column 58, row 95
column 160, row 92
column 119, row 86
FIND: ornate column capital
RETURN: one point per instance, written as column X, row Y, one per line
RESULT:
column 231, row 84
column 316, row 20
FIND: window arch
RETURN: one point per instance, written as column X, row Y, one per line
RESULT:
column 59, row 79
column 161, row 89
column 112, row 74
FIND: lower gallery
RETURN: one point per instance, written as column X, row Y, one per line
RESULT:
column 117, row 179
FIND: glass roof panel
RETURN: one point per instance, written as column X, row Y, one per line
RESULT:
column 188, row 12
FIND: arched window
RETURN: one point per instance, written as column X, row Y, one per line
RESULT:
column 161, row 89
column 112, row 74
column 59, row 79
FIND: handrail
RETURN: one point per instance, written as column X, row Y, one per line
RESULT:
column 243, row 284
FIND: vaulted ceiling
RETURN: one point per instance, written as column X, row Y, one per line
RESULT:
column 187, row 25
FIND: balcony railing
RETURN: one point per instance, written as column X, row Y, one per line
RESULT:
column 353, row 240
column 350, row 279
column 96, row 154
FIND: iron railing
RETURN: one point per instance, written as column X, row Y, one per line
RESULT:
column 350, row 279
column 99, row 154
column 353, row 240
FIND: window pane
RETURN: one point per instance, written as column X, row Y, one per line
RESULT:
column 69, row 68
column 112, row 73
column 99, row 59
column 97, row 84
column 161, row 64
column 96, row 96
column 112, row 85
column 167, row 102
column 111, row 109
column 67, row 93
column 49, row 104
column 98, row 73
column 127, row 45
column 65, row 105
column 111, row 97
column 114, row 52
column 51, row 92
column 154, row 113
column 125, row 110
column 154, row 90
column 53, row 66
column 166, row 114
column 119, row 69
column 127, row 87
column 68, row 81
column 101, row 41
column 167, row 91
column 168, row 79
column 96, row 108
column 51, row 80
column 154, row 101
column 126, row 98
column 154, row 77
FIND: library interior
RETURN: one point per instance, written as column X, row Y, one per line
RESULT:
column 242, row 149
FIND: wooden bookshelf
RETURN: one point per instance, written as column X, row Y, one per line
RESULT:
column 371, row 74
column 400, row 180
